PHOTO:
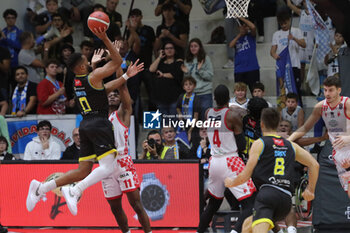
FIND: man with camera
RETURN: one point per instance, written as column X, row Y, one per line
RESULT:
column 153, row 147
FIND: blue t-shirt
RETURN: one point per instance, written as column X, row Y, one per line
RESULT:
column 245, row 55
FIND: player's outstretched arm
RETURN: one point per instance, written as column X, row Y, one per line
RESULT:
column 247, row 172
column 305, row 158
column 310, row 122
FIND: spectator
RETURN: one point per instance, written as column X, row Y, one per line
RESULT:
column 34, row 8
column 43, row 146
column 246, row 61
column 11, row 35
column 198, row 65
column 75, row 9
column 24, row 97
column 259, row 91
column 51, row 93
column 4, row 132
column 27, row 57
column 87, row 49
column 175, row 149
column 167, row 79
column 5, row 61
column 170, row 30
column 182, row 11
column 44, row 20
column 147, row 38
column 72, row 151
column 153, row 147
column 291, row 37
column 113, row 15
column 331, row 59
column 240, row 93
column 4, row 155
column 292, row 112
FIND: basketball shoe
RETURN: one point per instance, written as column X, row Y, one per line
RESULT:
column 71, row 199
column 33, row 195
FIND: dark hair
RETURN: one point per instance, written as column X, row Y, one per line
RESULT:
column 44, row 123
column 190, row 79
column 283, row 15
column 201, row 52
column 271, row 118
column 24, row 37
column 255, row 106
column 332, row 81
column 47, row 1
column 168, row 6
column 86, row 43
column 98, row 5
column 73, row 60
column 258, row 85
column 292, row 95
column 221, row 95
column 56, row 15
column 67, row 46
column 9, row 12
column 21, row 68
column 3, row 139
column 136, row 12
column 152, row 132
column 51, row 61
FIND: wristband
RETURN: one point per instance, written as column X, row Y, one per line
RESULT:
column 125, row 76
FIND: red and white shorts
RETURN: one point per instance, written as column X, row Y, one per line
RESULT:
column 124, row 178
column 339, row 156
column 228, row 166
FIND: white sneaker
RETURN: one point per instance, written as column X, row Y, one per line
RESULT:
column 33, row 195
column 260, row 39
column 229, row 65
column 233, row 231
column 71, row 199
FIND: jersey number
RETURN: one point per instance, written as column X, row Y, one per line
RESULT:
column 279, row 167
column 216, row 139
column 127, row 183
column 84, row 104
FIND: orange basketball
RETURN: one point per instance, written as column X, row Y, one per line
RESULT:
column 98, row 19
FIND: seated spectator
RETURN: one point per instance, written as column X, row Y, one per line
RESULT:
column 153, row 147
column 167, row 79
column 246, row 61
column 5, row 61
column 259, row 91
column 171, row 30
column 72, row 152
column 87, row 49
column 292, row 112
column 4, row 155
column 175, row 148
column 4, row 132
column 43, row 146
column 44, row 20
column 198, row 65
column 12, row 33
column 240, row 96
column 51, row 93
column 28, row 59
column 24, row 97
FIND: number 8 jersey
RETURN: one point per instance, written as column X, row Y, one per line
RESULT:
column 222, row 139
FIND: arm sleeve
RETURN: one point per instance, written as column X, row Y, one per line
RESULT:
column 240, row 141
column 206, row 72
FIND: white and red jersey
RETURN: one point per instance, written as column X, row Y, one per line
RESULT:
column 336, row 120
column 121, row 134
column 222, row 139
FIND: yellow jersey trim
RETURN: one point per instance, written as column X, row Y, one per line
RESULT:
column 106, row 153
column 99, row 89
column 87, row 157
column 262, row 220
column 81, row 75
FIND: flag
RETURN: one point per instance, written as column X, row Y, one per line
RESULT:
column 285, row 71
column 312, row 75
column 210, row 6
column 321, row 33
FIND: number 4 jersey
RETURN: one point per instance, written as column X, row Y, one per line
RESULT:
column 222, row 139
column 276, row 163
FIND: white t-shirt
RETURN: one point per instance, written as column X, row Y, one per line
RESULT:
column 280, row 38
column 306, row 27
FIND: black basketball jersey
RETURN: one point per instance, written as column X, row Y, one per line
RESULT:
column 91, row 101
column 276, row 163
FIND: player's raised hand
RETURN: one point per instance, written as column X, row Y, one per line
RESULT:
column 229, row 182
column 100, row 33
column 134, row 68
column 308, row 195
column 97, row 57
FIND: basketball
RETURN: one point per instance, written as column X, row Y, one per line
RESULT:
column 98, row 19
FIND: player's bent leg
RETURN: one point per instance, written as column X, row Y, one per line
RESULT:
column 119, row 214
column 135, row 202
column 247, row 225
column 262, row 227
column 247, row 210
column 291, row 221
column 206, row 217
column 75, row 175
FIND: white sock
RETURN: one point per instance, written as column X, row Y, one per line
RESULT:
column 233, row 231
column 47, row 186
column 128, row 231
column 291, row 229
column 105, row 169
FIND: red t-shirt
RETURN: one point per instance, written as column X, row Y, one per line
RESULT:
column 44, row 90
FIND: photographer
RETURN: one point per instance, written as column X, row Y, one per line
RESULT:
column 153, row 147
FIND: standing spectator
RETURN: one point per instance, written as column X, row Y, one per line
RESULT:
column 246, row 62
column 12, row 33
column 331, row 59
column 198, row 65
column 4, row 155
column 27, row 58
column 291, row 37
column 44, row 20
column 4, row 132
column 113, row 15
column 170, row 30
column 182, row 9
column 51, row 93
column 24, row 96
column 75, row 9
column 72, row 151
column 43, row 146
column 167, row 79
column 5, row 61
